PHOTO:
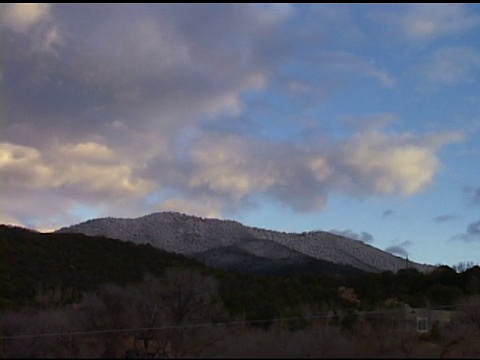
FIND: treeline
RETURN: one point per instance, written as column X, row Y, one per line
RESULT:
column 104, row 297
column 36, row 265
column 33, row 263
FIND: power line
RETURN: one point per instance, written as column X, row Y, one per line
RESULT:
column 243, row 322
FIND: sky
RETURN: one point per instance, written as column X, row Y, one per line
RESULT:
column 359, row 119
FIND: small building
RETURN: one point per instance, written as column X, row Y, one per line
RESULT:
column 423, row 319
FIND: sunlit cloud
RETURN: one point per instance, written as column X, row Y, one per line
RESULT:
column 21, row 17
column 72, row 169
column 426, row 21
column 403, row 164
column 207, row 208
column 103, row 122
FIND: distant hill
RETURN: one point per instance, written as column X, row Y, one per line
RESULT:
column 209, row 239
column 31, row 261
column 267, row 257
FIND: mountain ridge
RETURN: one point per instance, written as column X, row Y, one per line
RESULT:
column 190, row 235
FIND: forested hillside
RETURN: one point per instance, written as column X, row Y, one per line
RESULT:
column 95, row 286
column 191, row 236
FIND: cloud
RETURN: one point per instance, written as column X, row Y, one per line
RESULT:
column 363, row 236
column 418, row 24
column 346, row 65
column 225, row 164
column 21, row 17
column 208, row 208
column 473, row 195
column 474, row 229
column 472, row 233
column 444, row 218
column 387, row 213
column 374, row 122
column 399, row 249
column 23, row 168
column 72, row 169
column 452, row 65
column 170, row 68
column 239, row 168
column 387, row 164
column 226, row 172
column 427, row 21
column 124, row 123
column 34, row 26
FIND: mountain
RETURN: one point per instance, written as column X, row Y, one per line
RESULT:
column 208, row 240
column 268, row 257
column 31, row 261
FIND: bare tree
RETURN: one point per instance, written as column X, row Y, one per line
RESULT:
column 166, row 310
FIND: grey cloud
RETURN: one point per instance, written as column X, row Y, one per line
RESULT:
column 451, row 65
column 444, row 218
column 472, row 233
column 144, row 85
column 370, row 123
column 474, row 229
column 472, row 194
column 387, row 213
column 399, row 249
column 172, row 64
column 363, row 236
column 238, row 167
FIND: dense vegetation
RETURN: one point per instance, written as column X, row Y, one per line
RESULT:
column 33, row 262
column 47, row 272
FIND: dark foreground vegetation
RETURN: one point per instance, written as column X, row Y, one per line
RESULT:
column 69, row 295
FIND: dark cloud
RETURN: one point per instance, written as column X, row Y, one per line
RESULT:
column 472, row 194
column 473, row 229
column 444, row 218
column 362, row 236
column 399, row 249
column 472, row 233
column 158, row 67
column 149, row 86
column 387, row 213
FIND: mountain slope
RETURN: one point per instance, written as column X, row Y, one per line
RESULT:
column 269, row 257
column 31, row 261
column 190, row 235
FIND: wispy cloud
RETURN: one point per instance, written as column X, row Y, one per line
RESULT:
column 363, row 236
column 426, row 21
column 444, row 218
column 453, row 65
column 387, row 213
column 472, row 194
column 471, row 234
column 421, row 23
column 399, row 249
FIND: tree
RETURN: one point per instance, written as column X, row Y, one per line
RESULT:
column 165, row 308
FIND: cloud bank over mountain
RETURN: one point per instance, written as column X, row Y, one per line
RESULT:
column 215, row 109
